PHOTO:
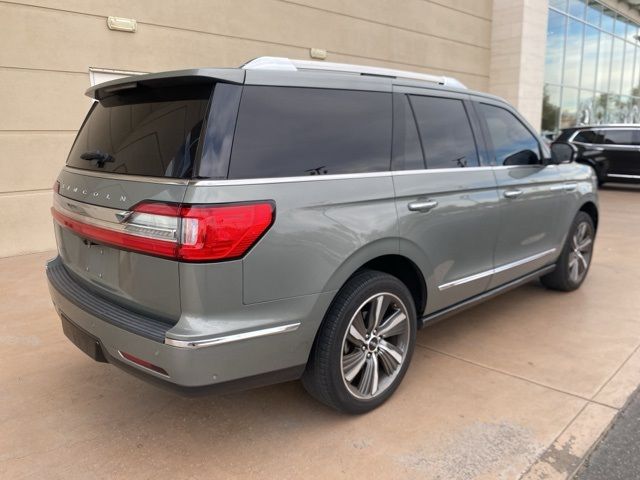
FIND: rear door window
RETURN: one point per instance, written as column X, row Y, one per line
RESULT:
column 287, row 131
column 618, row 137
column 513, row 143
column 445, row 132
column 152, row 132
column 407, row 150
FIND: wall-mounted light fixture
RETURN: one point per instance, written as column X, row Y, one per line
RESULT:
column 122, row 24
column 319, row 53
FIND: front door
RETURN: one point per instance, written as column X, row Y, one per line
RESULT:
column 531, row 194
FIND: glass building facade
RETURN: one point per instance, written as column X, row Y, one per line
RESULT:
column 592, row 66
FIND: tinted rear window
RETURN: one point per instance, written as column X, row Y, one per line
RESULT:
column 153, row 132
column 445, row 131
column 283, row 132
column 617, row 137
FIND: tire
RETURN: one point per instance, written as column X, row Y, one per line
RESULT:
column 348, row 340
column 576, row 254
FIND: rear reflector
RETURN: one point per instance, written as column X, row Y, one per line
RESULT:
column 191, row 233
column 144, row 363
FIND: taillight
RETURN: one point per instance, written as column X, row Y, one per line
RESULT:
column 196, row 233
column 210, row 233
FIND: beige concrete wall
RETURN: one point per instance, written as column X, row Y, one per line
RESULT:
column 47, row 47
column 518, row 43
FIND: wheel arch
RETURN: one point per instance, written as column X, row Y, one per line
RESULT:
column 384, row 256
column 590, row 209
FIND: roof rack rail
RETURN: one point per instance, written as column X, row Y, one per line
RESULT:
column 291, row 65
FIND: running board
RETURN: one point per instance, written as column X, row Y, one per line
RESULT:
column 470, row 302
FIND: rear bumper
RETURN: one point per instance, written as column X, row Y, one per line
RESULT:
column 230, row 360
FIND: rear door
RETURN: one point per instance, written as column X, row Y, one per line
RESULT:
column 137, row 145
column 622, row 149
column 532, row 195
column 446, row 200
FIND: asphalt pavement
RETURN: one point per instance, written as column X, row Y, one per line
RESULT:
column 617, row 455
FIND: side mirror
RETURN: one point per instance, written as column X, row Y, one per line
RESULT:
column 562, row 152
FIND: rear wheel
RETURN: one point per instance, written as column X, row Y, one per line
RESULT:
column 364, row 346
column 574, row 261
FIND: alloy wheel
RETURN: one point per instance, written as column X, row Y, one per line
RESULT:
column 580, row 254
column 375, row 345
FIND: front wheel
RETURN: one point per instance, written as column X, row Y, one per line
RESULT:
column 364, row 346
column 574, row 261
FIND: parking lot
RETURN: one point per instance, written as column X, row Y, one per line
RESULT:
column 521, row 385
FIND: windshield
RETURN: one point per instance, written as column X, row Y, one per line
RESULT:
column 150, row 132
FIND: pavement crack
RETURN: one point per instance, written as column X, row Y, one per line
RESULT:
column 513, row 375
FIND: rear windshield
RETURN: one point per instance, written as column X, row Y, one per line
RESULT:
column 151, row 132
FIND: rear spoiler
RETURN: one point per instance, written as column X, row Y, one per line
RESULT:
column 196, row 76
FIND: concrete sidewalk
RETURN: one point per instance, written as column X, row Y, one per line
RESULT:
column 519, row 387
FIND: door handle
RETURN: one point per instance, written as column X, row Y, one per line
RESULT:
column 513, row 193
column 570, row 187
column 422, row 206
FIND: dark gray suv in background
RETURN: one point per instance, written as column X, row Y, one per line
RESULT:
column 294, row 219
column 613, row 151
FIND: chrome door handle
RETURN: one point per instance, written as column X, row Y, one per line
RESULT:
column 570, row 187
column 513, row 193
column 422, row 206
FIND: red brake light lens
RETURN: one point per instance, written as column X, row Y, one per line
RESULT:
column 144, row 363
column 191, row 233
column 222, row 232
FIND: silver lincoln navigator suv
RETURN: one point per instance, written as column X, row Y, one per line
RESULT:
column 227, row 228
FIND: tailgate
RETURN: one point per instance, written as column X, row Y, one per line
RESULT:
column 144, row 283
column 137, row 144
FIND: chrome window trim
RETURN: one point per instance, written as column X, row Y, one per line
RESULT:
column 127, row 178
column 492, row 271
column 631, row 127
column 351, row 176
column 236, row 337
column 608, row 146
column 299, row 178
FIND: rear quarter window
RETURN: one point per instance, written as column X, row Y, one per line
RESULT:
column 287, row 131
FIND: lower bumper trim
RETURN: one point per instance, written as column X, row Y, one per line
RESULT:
column 209, row 342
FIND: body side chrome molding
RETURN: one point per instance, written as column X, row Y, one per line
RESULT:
column 622, row 175
column 492, row 271
column 446, row 312
column 236, row 337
